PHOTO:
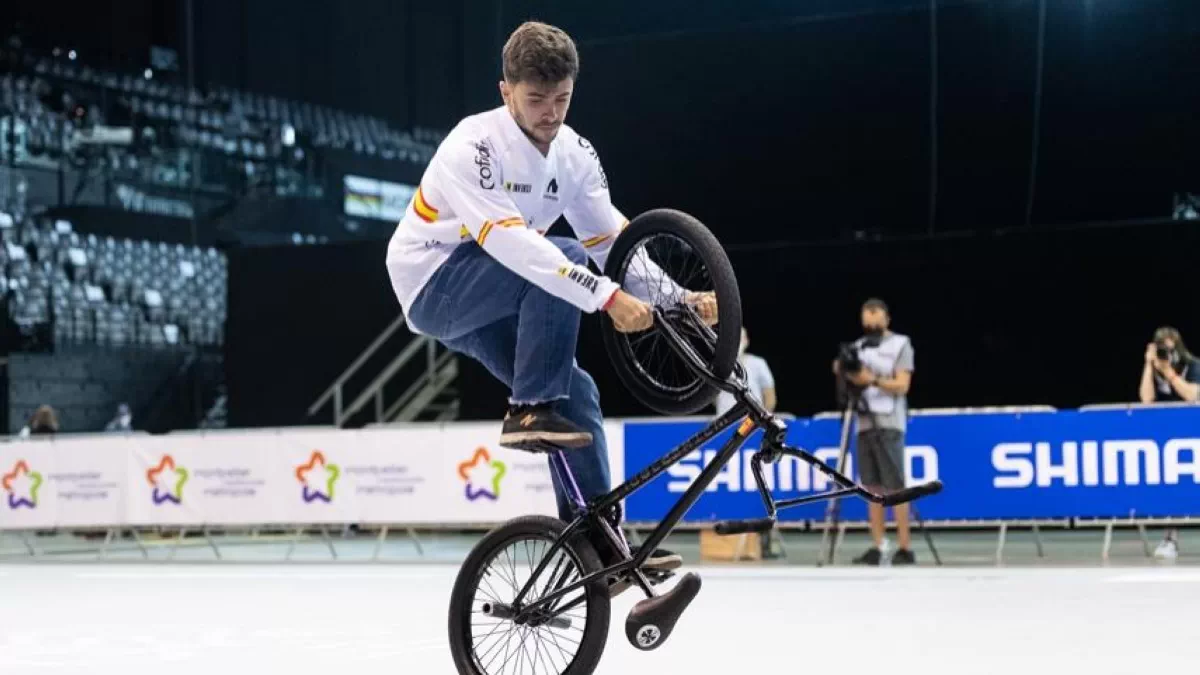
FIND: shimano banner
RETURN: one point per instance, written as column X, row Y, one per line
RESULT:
column 1114, row 463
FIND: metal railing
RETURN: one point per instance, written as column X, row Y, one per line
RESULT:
column 420, row 397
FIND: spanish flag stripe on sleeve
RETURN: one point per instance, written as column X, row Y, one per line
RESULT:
column 424, row 211
column 595, row 241
column 483, row 232
column 510, row 222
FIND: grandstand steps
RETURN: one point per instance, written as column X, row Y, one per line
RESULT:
column 366, row 391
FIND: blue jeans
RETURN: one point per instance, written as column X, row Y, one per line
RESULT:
column 526, row 338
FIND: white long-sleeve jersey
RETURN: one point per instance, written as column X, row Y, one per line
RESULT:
column 488, row 183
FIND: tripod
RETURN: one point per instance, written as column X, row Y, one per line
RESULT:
column 829, row 542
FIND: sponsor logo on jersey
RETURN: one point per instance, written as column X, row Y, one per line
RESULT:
column 523, row 188
column 592, row 153
column 580, row 277
column 483, row 159
column 551, row 190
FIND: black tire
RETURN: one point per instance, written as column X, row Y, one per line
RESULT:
column 463, row 601
column 689, row 396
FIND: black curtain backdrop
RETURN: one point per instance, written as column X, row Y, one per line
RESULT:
column 808, row 135
column 1059, row 318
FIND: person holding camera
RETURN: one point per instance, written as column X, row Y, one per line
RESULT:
column 1171, row 372
column 878, row 368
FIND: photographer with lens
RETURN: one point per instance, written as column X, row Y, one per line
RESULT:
column 1171, row 372
column 877, row 370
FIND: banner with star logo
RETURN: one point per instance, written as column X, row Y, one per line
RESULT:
column 410, row 474
column 360, row 476
column 80, row 483
column 199, row 479
column 483, row 482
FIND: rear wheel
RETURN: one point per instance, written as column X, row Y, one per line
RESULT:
column 659, row 257
column 484, row 638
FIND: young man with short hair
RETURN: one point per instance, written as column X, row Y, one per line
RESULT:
column 472, row 267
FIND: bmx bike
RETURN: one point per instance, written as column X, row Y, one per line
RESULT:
column 533, row 594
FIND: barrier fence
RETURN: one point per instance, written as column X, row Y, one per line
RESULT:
column 998, row 467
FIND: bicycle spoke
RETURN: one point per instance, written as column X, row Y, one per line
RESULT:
column 504, row 648
column 657, row 261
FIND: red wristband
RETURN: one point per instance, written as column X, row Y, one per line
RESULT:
column 608, row 303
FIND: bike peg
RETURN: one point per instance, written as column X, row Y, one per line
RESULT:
column 912, row 493
column 742, row 526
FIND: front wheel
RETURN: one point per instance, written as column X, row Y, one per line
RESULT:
column 484, row 638
column 661, row 256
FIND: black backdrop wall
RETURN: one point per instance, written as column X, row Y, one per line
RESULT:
column 1052, row 317
column 298, row 316
column 777, row 123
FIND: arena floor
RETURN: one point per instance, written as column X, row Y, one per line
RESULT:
column 126, row 619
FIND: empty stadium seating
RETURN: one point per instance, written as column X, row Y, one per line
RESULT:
column 234, row 122
column 106, row 291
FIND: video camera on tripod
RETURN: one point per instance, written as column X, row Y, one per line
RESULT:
column 849, row 364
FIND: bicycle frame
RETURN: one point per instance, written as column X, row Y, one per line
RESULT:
column 753, row 417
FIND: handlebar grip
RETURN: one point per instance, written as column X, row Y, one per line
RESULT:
column 741, row 526
column 909, row 494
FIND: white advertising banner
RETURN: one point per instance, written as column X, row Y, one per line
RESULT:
column 485, row 483
column 23, row 471
column 79, row 482
column 365, row 476
column 418, row 474
column 201, row 479
column 87, row 483
column 482, row 482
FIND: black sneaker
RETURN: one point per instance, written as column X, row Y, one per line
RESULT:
column 871, row 557
column 526, row 427
column 904, row 557
column 660, row 559
column 657, row 569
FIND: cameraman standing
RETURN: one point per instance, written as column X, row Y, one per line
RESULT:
column 1171, row 372
column 882, row 381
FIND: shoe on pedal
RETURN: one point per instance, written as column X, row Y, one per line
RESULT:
column 657, row 569
column 872, row 556
column 660, row 559
column 532, row 427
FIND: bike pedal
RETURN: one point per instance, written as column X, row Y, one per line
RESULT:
column 656, row 577
column 618, row 585
column 651, row 621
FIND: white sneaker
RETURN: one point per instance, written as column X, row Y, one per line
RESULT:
column 1167, row 550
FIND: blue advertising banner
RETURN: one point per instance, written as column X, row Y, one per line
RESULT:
column 1115, row 463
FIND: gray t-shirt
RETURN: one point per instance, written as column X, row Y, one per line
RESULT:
column 758, row 378
column 891, row 410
